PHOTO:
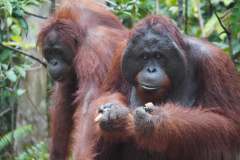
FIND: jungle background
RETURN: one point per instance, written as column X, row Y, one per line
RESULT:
column 25, row 85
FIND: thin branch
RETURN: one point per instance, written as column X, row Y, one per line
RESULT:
column 226, row 15
column 236, row 55
column 12, row 112
column 230, row 41
column 25, row 53
column 236, row 62
column 4, row 112
column 34, row 104
column 5, row 13
column 221, row 33
column 225, row 29
column 35, row 15
column 179, row 17
column 200, row 20
column 186, row 16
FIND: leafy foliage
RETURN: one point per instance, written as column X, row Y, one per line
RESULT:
column 6, row 139
column 235, row 19
column 16, row 9
column 13, row 65
column 37, row 152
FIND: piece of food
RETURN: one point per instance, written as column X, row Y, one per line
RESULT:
column 100, row 114
column 149, row 104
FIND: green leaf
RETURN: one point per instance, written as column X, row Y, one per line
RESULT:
column 16, row 38
column 5, row 53
column 235, row 19
column 35, row 3
column 21, row 71
column 26, row 8
column 20, row 91
column 11, row 76
column 16, row 29
column 8, row 6
column 10, row 43
column 227, row 2
column 23, row 23
column 2, row 25
column 5, row 66
column 27, row 66
column 211, row 24
column 17, row 133
column 9, row 21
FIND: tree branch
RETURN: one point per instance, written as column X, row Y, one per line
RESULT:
column 35, row 15
column 200, row 20
column 230, row 41
column 179, row 17
column 186, row 16
column 235, row 56
column 5, row 111
column 236, row 62
column 25, row 53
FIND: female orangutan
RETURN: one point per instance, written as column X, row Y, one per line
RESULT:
column 78, row 42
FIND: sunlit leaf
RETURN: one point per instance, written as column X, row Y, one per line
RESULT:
column 215, row 1
column 211, row 24
column 220, row 30
column 9, row 21
column 227, row 2
column 173, row 9
column 235, row 19
column 10, row 43
column 16, row 38
column 16, row 29
column 20, row 91
column 35, row 3
column 8, row 6
column 11, row 76
column 26, row 8
column 5, row 53
column 21, row 71
column 27, row 46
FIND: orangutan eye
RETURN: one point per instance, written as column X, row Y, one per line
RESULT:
column 47, row 53
column 158, row 56
column 145, row 57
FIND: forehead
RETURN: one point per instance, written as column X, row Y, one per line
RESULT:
column 151, row 41
column 51, row 38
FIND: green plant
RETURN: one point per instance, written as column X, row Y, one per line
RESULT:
column 235, row 19
column 13, row 65
column 37, row 152
column 17, row 133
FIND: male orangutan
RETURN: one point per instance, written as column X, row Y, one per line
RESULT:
column 195, row 91
column 78, row 42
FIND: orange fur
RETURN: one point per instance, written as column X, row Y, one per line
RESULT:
column 93, row 33
column 209, row 129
